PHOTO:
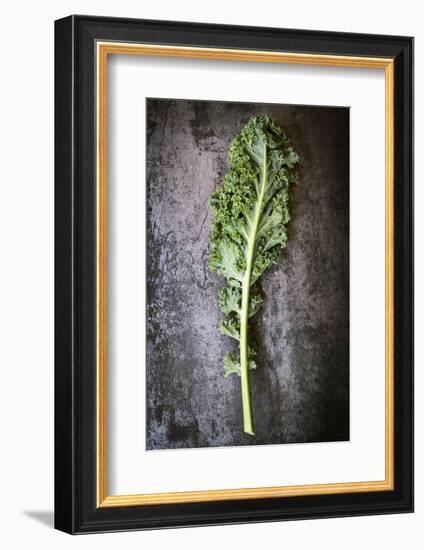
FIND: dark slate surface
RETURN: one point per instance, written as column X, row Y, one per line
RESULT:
column 300, row 390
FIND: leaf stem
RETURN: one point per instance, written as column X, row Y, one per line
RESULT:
column 244, row 313
column 244, row 361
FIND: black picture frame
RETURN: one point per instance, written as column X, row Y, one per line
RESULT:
column 76, row 509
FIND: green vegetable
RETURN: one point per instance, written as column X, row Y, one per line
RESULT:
column 250, row 212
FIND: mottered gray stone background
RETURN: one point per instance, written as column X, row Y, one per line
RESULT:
column 300, row 390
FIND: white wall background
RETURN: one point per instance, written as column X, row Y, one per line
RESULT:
column 26, row 272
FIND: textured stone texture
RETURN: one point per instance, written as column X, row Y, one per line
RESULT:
column 300, row 390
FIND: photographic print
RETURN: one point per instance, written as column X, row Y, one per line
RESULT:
column 247, row 274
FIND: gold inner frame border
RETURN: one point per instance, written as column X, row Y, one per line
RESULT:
column 103, row 50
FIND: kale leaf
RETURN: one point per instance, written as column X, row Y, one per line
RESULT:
column 250, row 212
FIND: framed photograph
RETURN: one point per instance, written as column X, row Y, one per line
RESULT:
column 234, row 274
